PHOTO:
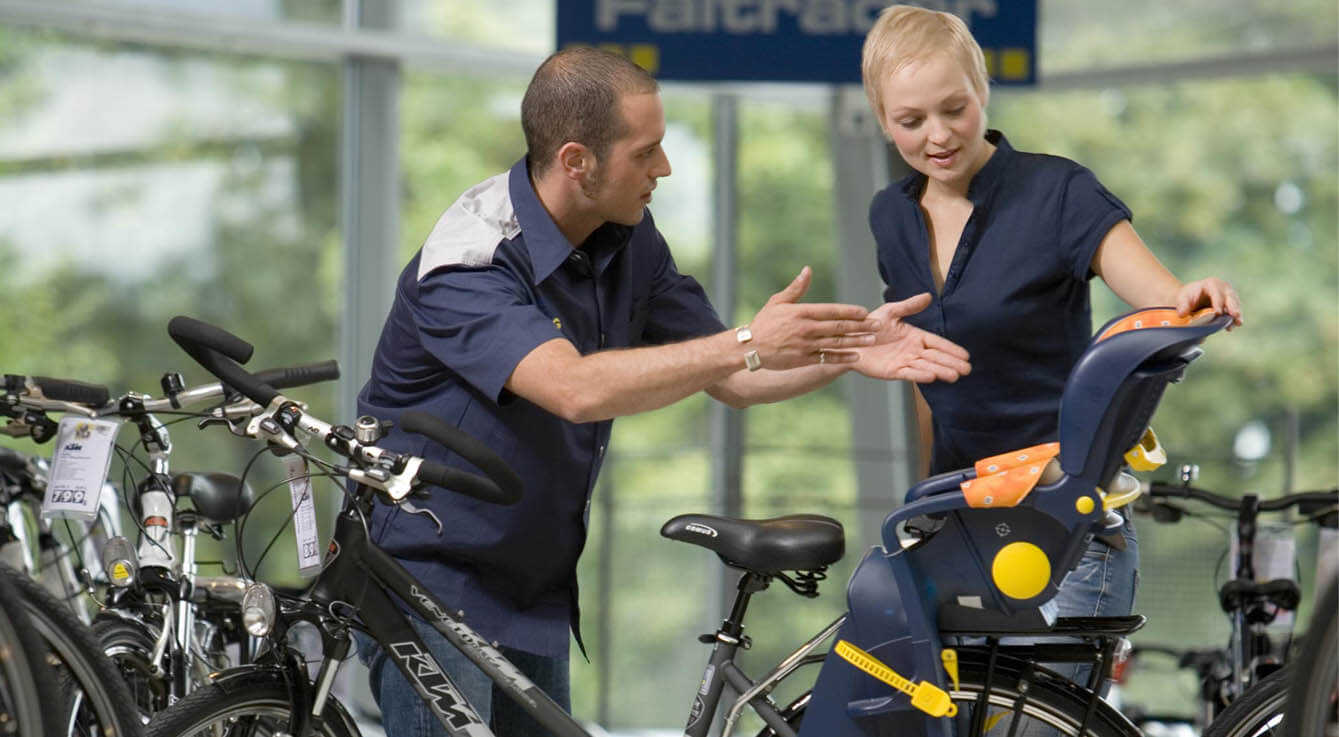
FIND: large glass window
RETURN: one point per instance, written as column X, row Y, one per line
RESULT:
column 142, row 184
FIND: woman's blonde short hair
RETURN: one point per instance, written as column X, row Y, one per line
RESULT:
column 906, row 33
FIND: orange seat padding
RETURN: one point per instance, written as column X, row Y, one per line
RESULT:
column 1157, row 317
column 1006, row 479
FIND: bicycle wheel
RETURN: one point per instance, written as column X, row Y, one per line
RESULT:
column 24, row 686
column 254, row 705
column 1314, row 693
column 1256, row 713
column 94, row 701
column 1052, row 706
column 130, row 646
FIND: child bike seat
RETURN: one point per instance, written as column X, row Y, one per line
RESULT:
column 1009, row 529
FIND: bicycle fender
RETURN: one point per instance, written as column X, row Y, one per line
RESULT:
column 301, row 691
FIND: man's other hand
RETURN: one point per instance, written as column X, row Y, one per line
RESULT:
column 788, row 335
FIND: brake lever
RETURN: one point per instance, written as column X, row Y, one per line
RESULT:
column 409, row 507
column 232, row 428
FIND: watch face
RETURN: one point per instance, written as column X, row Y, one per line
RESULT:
column 752, row 361
column 743, row 334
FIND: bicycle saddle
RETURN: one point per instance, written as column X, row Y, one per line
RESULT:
column 795, row 542
column 218, row 497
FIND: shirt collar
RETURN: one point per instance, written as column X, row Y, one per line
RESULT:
column 986, row 180
column 547, row 245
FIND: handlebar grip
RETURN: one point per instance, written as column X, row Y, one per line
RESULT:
column 508, row 484
column 187, row 331
column 67, row 390
column 313, row 373
column 210, row 336
column 464, row 482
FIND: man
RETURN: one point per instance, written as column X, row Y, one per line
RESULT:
column 543, row 304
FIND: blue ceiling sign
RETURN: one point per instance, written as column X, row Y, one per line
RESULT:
column 781, row 40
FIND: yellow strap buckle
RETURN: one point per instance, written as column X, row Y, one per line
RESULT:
column 925, row 696
column 1147, row 454
column 950, row 658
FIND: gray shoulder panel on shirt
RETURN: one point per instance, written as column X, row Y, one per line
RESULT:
column 472, row 228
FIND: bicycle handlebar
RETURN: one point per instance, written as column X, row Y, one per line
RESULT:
column 287, row 378
column 1158, row 489
column 217, row 351
column 502, row 486
column 68, row 390
column 499, row 485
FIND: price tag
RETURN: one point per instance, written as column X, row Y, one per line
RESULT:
column 79, row 467
column 304, row 515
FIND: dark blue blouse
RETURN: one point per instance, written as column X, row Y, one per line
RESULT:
column 1015, row 295
column 496, row 279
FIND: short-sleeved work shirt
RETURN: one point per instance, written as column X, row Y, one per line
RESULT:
column 494, row 280
column 1015, row 295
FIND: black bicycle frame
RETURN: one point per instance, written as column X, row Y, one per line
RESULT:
column 361, row 576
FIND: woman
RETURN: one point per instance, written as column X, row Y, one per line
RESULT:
column 1006, row 242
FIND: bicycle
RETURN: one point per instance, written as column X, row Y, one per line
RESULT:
column 164, row 625
column 1312, row 706
column 25, row 687
column 91, row 698
column 1242, row 692
column 48, row 558
column 1030, row 518
column 1299, row 699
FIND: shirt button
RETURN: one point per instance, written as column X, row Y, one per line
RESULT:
column 600, row 452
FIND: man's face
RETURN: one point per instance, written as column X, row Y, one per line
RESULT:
column 623, row 179
column 936, row 120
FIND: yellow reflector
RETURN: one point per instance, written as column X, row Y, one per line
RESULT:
column 120, row 572
column 1085, row 505
column 1021, row 570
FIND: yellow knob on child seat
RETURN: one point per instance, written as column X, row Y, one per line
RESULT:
column 1085, row 505
column 1021, row 570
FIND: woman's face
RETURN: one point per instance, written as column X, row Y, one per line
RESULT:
column 936, row 120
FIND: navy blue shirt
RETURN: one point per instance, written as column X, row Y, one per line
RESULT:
column 1015, row 295
column 494, row 280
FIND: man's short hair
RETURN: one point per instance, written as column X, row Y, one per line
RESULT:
column 574, row 97
column 904, row 34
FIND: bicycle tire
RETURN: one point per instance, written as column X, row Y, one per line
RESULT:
column 1052, row 702
column 25, row 687
column 94, row 699
column 257, row 705
column 1256, row 713
column 129, row 645
column 1310, row 710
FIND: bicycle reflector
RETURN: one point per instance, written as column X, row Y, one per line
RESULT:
column 119, row 561
column 258, row 609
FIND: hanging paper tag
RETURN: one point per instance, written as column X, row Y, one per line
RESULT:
column 79, row 467
column 304, row 515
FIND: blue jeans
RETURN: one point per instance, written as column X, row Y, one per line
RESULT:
column 403, row 713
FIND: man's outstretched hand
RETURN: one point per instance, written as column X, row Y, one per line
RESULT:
column 903, row 351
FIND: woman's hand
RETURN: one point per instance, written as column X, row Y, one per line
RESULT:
column 904, row 351
column 1212, row 292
